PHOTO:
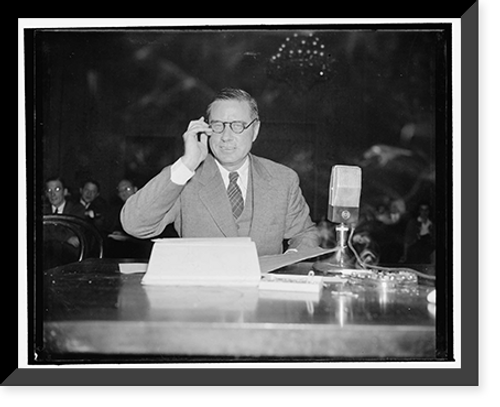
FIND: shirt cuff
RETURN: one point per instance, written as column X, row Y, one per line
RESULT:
column 179, row 173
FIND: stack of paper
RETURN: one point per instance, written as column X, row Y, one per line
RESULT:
column 287, row 282
column 203, row 261
column 132, row 267
column 271, row 263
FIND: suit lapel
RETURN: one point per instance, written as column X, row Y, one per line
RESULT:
column 262, row 199
column 213, row 195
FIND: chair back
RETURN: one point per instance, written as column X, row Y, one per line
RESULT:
column 67, row 239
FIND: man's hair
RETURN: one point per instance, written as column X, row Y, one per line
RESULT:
column 235, row 94
column 91, row 181
column 55, row 178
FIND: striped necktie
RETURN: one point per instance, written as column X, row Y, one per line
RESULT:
column 235, row 195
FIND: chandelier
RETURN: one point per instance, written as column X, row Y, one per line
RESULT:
column 301, row 62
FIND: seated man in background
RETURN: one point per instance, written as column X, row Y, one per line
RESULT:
column 60, row 244
column 419, row 238
column 125, row 189
column 56, row 193
column 226, row 192
column 119, row 244
column 95, row 207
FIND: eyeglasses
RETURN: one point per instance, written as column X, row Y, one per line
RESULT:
column 56, row 189
column 125, row 189
column 237, row 127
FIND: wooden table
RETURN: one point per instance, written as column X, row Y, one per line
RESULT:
column 92, row 312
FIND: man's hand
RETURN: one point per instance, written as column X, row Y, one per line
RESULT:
column 196, row 149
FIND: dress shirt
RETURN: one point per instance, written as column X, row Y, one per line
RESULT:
column 60, row 208
column 88, row 212
column 85, row 204
column 242, row 179
column 180, row 174
column 424, row 226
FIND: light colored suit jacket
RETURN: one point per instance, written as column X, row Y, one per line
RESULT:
column 201, row 208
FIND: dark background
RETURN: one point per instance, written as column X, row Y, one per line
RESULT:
column 114, row 103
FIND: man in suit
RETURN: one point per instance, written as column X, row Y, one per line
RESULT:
column 94, row 206
column 56, row 193
column 200, row 194
column 60, row 245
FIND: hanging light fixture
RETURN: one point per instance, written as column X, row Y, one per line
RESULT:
column 301, row 61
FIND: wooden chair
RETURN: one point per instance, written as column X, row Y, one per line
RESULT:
column 67, row 239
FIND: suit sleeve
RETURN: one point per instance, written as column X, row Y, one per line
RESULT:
column 76, row 209
column 146, row 213
column 300, row 229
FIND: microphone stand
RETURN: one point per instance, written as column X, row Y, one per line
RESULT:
column 343, row 257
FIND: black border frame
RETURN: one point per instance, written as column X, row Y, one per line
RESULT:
column 468, row 372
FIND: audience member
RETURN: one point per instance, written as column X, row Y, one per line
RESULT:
column 397, row 210
column 388, row 231
column 60, row 244
column 125, row 189
column 419, row 242
column 95, row 207
column 56, row 193
column 119, row 244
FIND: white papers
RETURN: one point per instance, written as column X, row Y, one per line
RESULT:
column 212, row 261
column 203, row 261
column 289, row 282
column 131, row 268
column 270, row 263
column 266, row 263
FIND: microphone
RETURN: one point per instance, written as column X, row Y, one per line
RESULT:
column 343, row 209
column 345, row 194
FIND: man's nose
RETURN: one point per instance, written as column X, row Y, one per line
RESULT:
column 227, row 134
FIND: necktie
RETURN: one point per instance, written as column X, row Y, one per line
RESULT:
column 235, row 195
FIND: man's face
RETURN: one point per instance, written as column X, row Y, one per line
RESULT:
column 424, row 211
column 55, row 192
column 126, row 190
column 89, row 192
column 229, row 148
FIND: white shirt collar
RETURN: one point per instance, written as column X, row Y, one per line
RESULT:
column 60, row 208
column 242, row 179
column 427, row 222
column 85, row 204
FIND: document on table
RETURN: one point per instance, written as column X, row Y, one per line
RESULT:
column 132, row 267
column 203, row 261
column 270, row 263
column 266, row 263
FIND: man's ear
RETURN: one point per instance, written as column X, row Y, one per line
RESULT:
column 256, row 130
